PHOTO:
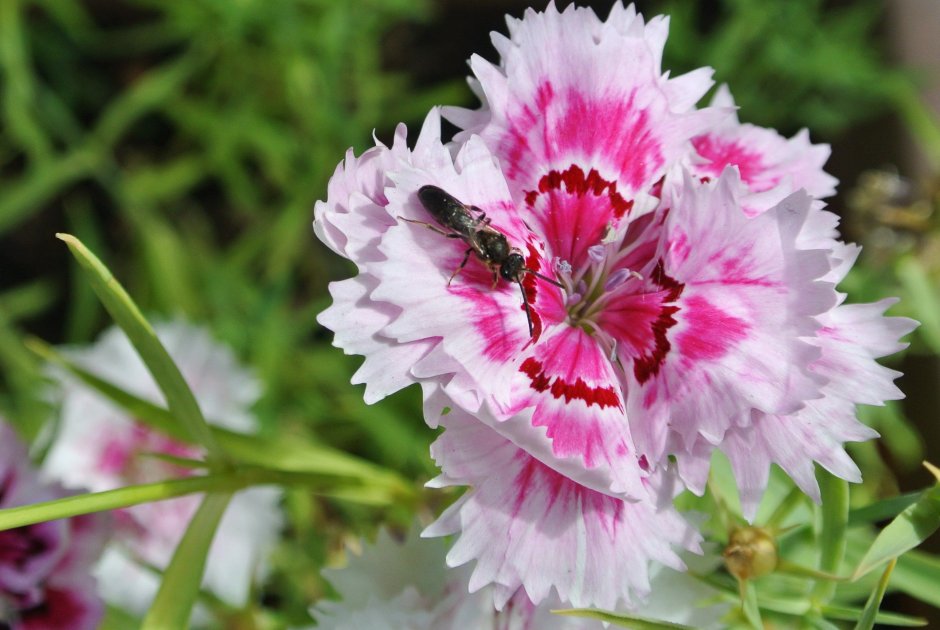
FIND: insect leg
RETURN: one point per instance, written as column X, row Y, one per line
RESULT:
column 466, row 257
column 545, row 278
column 525, row 302
column 432, row 227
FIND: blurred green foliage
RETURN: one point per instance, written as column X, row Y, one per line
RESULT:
column 185, row 142
column 791, row 64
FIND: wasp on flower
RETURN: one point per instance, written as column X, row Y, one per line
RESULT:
column 698, row 309
column 489, row 244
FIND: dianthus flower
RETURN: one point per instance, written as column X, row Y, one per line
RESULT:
column 685, row 303
column 406, row 584
column 45, row 569
column 100, row 446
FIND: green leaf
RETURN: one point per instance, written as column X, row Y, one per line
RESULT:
column 898, row 434
column 845, row 613
column 624, row 621
column 884, row 509
column 179, row 397
column 867, row 622
column 749, row 605
column 924, row 299
column 793, row 606
column 117, row 619
column 918, row 575
column 835, row 516
column 910, row 528
column 139, row 408
column 27, row 300
column 179, row 588
column 283, row 453
column 113, row 499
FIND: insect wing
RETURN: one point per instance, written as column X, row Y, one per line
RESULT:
column 447, row 210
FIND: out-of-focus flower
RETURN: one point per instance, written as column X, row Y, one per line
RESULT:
column 407, row 585
column 100, row 446
column 45, row 569
column 696, row 311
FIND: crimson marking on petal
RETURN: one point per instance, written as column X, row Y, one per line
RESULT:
column 657, row 189
column 721, row 153
column 558, row 388
column 577, row 183
column 535, row 477
column 711, row 331
column 647, row 365
column 530, row 288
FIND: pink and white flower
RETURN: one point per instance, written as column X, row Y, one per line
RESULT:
column 531, row 528
column 45, row 569
column 407, row 584
column 100, row 446
column 697, row 309
column 771, row 166
column 852, row 336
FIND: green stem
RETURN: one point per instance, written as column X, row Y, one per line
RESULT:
column 783, row 510
column 40, row 184
column 835, row 517
column 19, row 97
column 146, row 493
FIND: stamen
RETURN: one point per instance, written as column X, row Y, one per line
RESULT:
column 620, row 276
column 597, row 253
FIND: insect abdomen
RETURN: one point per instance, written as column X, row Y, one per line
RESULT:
column 447, row 210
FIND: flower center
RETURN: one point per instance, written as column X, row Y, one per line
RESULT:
column 590, row 288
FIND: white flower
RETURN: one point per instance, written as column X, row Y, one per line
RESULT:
column 101, row 447
column 407, row 585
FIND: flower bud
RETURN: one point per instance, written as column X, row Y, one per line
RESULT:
column 751, row 553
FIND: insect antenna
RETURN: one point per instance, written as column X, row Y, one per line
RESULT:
column 545, row 278
column 525, row 302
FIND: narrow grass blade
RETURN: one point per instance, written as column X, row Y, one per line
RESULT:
column 624, row 621
column 835, row 517
column 910, row 528
column 179, row 588
column 283, row 453
column 867, row 622
column 180, row 399
column 845, row 613
column 113, row 499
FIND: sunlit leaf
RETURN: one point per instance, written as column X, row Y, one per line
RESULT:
column 867, row 622
column 844, row 613
column 113, row 499
column 831, row 542
column 179, row 588
column 624, row 621
column 284, row 453
column 910, row 528
column 180, row 399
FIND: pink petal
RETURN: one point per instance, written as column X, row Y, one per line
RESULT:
column 557, row 100
column 727, row 339
column 765, row 159
column 528, row 526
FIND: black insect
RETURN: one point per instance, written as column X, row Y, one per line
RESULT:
column 471, row 225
